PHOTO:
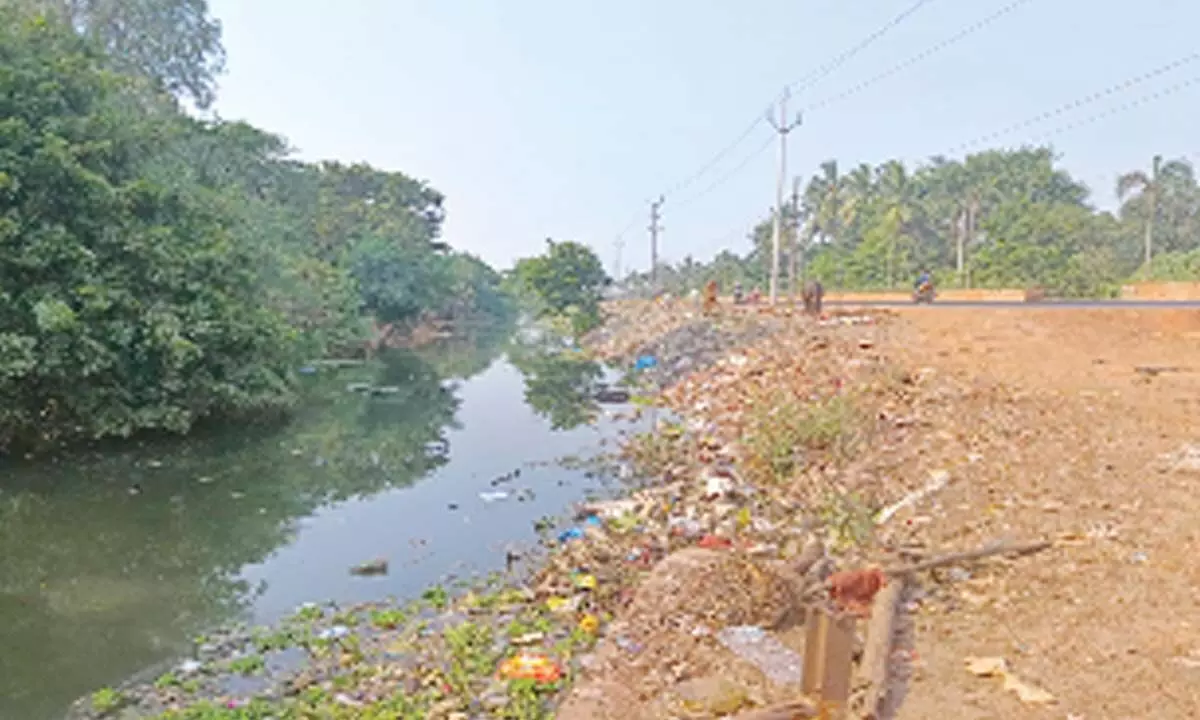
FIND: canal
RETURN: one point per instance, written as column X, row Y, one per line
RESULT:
column 438, row 460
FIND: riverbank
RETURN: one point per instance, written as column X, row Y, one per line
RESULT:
column 794, row 440
column 587, row 577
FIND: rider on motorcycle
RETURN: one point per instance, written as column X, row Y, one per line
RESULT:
column 923, row 279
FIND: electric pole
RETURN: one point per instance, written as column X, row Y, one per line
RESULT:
column 655, row 229
column 620, row 244
column 783, row 127
column 794, row 235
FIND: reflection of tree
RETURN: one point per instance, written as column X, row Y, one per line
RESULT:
column 467, row 355
column 96, row 583
column 558, row 383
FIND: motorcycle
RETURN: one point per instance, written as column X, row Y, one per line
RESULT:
column 924, row 293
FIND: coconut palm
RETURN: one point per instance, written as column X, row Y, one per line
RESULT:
column 1151, row 188
column 897, row 193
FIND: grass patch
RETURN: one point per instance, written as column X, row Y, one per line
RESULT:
column 248, row 665
column 781, row 436
column 849, row 520
column 107, row 700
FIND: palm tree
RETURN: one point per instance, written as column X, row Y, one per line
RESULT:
column 859, row 187
column 823, row 196
column 897, row 194
column 1151, row 188
column 980, row 191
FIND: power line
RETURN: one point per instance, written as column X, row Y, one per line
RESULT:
column 914, row 59
column 1132, row 104
column 682, row 184
column 728, row 174
column 823, row 71
column 806, row 81
column 1081, row 102
column 860, row 87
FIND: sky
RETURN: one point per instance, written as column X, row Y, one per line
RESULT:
column 564, row 119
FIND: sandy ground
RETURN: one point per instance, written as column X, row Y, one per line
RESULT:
column 1048, row 430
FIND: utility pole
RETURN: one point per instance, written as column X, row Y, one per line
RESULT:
column 783, row 127
column 655, row 229
column 794, row 235
column 620, row 244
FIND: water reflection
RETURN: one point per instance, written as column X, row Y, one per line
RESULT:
column 559, row 381
column 110, row 562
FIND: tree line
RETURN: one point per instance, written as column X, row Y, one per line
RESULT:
column 998, row 218
column 157, row 269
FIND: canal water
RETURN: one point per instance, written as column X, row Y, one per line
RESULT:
column 111, row 562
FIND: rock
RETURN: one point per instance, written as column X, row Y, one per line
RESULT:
column 612, row 395
column 378, row 566
column 714, row 695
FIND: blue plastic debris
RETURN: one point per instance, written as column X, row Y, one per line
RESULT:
column 570, row 534
column 645, row 362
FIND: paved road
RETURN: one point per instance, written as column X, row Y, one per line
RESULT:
column 1064, row 304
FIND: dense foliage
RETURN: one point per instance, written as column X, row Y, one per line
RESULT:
column 566, row 281
column 156, row 269
column 1000, row 218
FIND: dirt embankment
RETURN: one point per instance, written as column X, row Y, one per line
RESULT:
column 1080, row 426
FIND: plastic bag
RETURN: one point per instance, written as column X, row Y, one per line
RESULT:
column 778, row 662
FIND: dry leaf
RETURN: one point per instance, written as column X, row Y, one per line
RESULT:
column 998, row 667
column 987, row 666
column 1028, row 694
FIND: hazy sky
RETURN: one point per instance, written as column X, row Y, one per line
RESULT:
column 540, row 118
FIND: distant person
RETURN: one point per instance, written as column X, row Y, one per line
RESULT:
column 737, row 293
column 813, row 295
column 923, row 279
column 710, row 297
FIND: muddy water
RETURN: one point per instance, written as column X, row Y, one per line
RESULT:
column 111, row 562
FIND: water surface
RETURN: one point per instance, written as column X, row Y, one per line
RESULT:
column 112, row 562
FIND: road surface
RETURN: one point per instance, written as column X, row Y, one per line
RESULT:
column 1065, row 304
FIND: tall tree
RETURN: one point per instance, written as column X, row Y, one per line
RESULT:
column 567, row 280
column 126, row 305
column 897, row 194
column 1152, row 187
column 174, row 43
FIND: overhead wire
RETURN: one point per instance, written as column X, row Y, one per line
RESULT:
column 912, row 60
column 1132, row 104
column 854, row 90
column 1028, row 122
column 1087, row 100
column 823, row 71
column 712, row 162
column 1056, row 112
column 814, row 76
column 724, row 178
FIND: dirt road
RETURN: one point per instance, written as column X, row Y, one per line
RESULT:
column 1048, row 428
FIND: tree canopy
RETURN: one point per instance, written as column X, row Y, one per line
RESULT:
column 157, row 269
column 567, row 280
column 175, row 44
column 998, row 218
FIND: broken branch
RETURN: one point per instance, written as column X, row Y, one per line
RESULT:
column 873, row 672
column 958, row 557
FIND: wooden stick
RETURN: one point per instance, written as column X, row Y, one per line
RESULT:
column 873, row 672
column 952, row 558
